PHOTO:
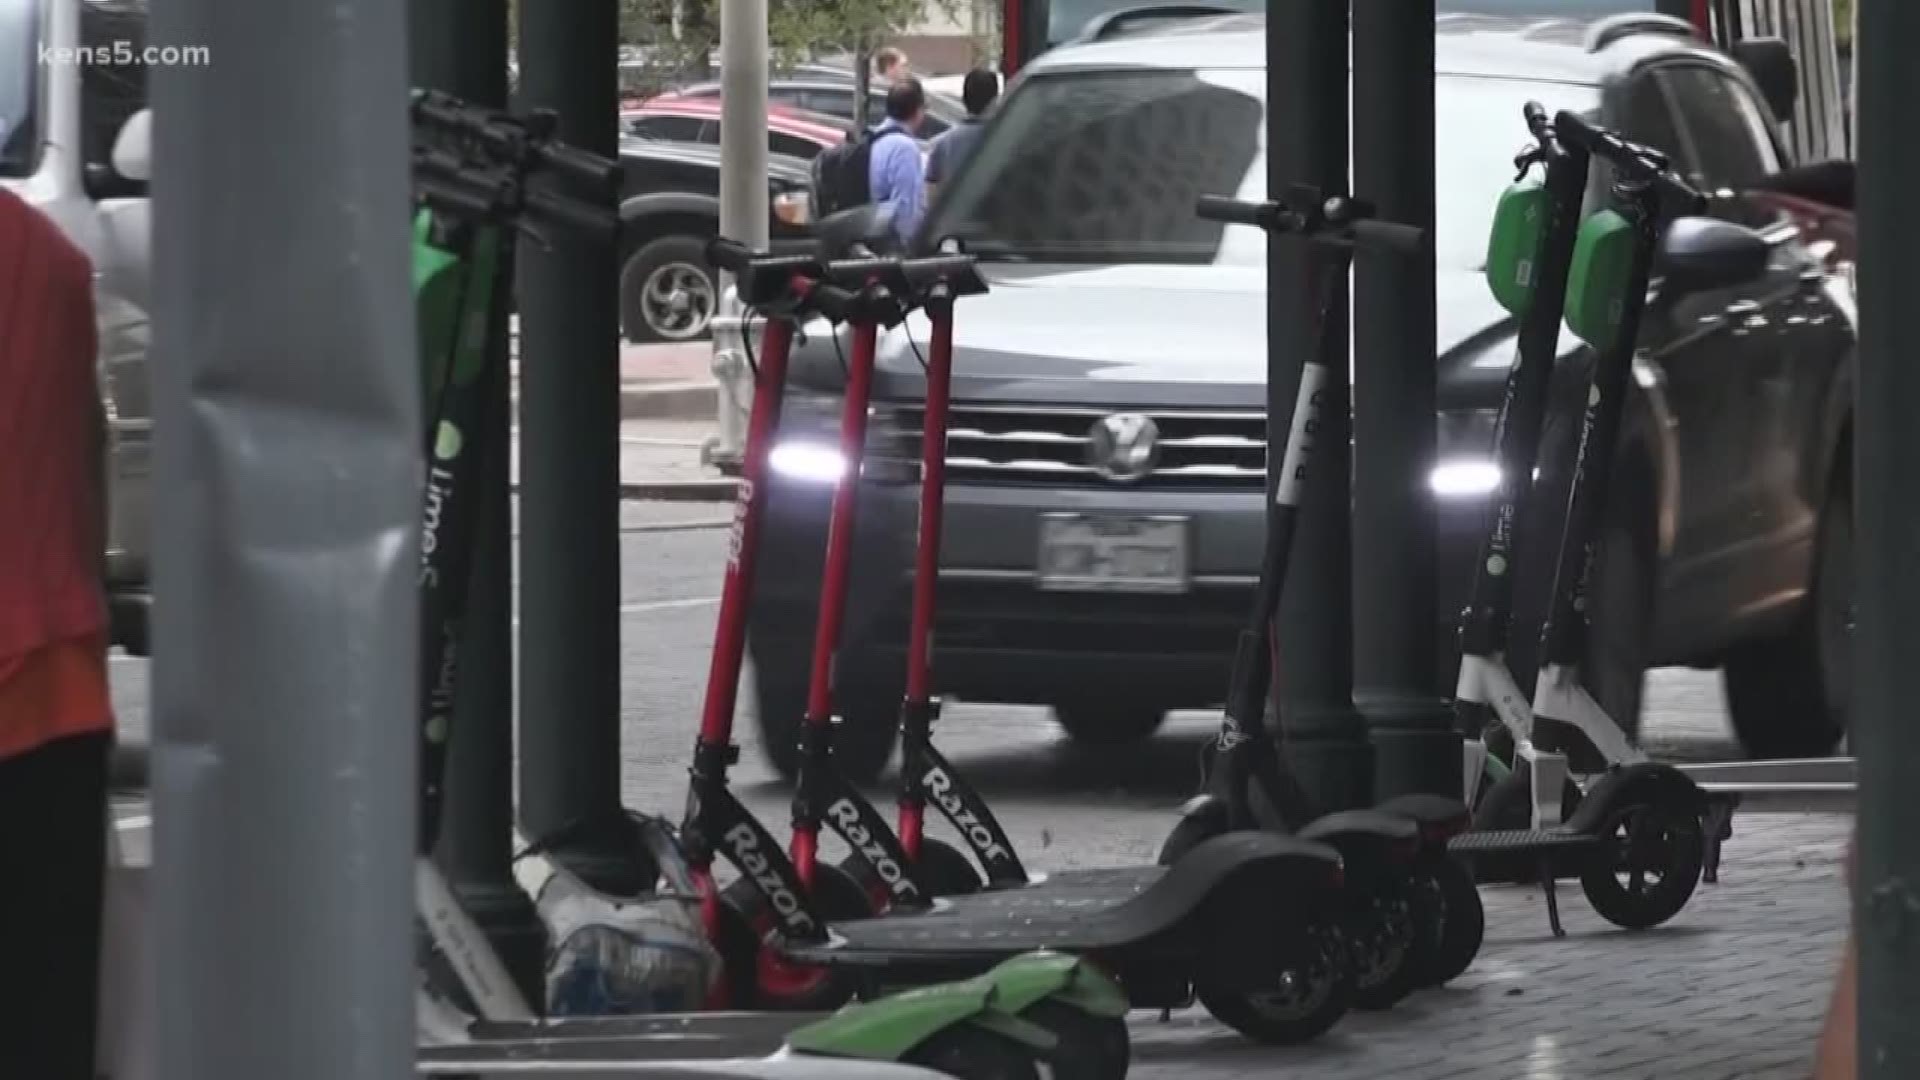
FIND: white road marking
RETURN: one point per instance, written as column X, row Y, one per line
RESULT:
column 642, row 607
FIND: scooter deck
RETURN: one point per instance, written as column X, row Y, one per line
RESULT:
column 662, row 1036
column 1075, row 911
column 1545, row 842
column 782, row 1066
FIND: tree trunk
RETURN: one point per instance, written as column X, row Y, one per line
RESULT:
column 862, row 87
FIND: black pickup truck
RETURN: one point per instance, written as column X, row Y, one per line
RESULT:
column 670, row 206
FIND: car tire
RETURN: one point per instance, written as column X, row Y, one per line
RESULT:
column 863, row 740
column 1788, row 696
column 668, row 293
column 1105, row 722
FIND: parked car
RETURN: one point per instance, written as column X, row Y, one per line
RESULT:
column 821, row 90
column 669, row 207
column 76, row 146
column 697, row 120
column 1727, row 543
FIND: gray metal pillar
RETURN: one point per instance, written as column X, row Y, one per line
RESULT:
column 570, row 463
column 1396, row 684
column 1886, row 460
column 1307, row 112
column 743, row 206
column 288, row 443
column 460, row 46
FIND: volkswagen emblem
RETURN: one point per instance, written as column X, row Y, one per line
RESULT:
column 1124, row 447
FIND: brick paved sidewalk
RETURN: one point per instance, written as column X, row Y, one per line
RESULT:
column 1733, row 989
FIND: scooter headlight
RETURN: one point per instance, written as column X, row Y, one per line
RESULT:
column 1464, row 478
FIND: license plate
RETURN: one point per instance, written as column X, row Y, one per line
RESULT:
column 1096, row 553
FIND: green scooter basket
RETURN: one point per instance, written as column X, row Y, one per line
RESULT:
column 1513, row 244
column 1596, row 283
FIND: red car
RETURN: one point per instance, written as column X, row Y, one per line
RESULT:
column 670, row 118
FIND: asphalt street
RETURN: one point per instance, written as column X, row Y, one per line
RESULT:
column 1065, row 805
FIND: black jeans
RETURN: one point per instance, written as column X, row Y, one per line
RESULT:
column 52, row 875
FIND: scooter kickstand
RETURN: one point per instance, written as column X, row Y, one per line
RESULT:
column 1716, row 826
column 1551, row 888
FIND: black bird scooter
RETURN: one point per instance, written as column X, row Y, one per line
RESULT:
column 1415, row 918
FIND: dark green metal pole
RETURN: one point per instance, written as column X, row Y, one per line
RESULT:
column 1396, row 684
column 1307, row 143
column 1886, row 463
column 460, row 46
column 570, row 465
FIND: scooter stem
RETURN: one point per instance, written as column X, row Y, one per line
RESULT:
column 816, row 732
column 917, row 709
column 743, row 540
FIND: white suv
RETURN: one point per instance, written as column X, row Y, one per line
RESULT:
column 74, row 143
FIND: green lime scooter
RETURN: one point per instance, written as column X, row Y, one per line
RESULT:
column 482, row 179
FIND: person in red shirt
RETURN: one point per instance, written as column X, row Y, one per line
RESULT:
column 56, row 718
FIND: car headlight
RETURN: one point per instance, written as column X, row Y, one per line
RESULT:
column 809, row 451
column 808, row 460
column 1464, row 478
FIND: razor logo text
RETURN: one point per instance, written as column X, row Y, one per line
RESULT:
column 940, row 785
column 846, row 820
column 745, row 847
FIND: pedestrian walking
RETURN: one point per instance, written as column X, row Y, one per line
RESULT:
column 978, row 91
column 56, row 718
column 889, row 64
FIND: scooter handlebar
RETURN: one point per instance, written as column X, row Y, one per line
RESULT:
column 1387, row 236
column 1233, row 211
column 589, row 170
column 729, row 255
column 1358, row 229
column 599, row 221
column 1636, row 163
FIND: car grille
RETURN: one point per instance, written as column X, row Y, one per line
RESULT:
column 1049, row 447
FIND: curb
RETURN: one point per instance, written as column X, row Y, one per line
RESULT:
column 717, row 489
column 698, row 400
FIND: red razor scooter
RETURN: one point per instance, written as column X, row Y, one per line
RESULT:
column 790, row 292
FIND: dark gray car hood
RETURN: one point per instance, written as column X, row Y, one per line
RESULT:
column 1146, row 335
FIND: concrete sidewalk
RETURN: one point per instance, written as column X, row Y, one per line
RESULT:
column 1735, row 988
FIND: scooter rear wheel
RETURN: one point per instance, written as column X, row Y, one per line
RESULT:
column 971, row 1053
column 1463, row 921
column 1654, row 849
column 1091, row 1047
column 1385, row 930
column 1274, row 979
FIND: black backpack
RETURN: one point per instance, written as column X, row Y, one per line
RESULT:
column 840, row 174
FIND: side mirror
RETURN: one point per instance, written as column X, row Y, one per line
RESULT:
column 133, row 148
column 1699, row 253
column 1771, row 63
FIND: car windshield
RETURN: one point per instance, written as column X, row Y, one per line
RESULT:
column 1066, row 18
column 1104, row 167
column 19, row 86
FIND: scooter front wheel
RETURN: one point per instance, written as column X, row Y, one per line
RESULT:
column 972, row 1053
column 1091, row 1047
column 1463, row 920
column 1653, row 848
column 781, row 985
column 1276, row 982
column 1384, row 928
column 1188, row 834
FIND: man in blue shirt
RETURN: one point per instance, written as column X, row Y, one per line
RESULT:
column 896, row 175
column 956, row 144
